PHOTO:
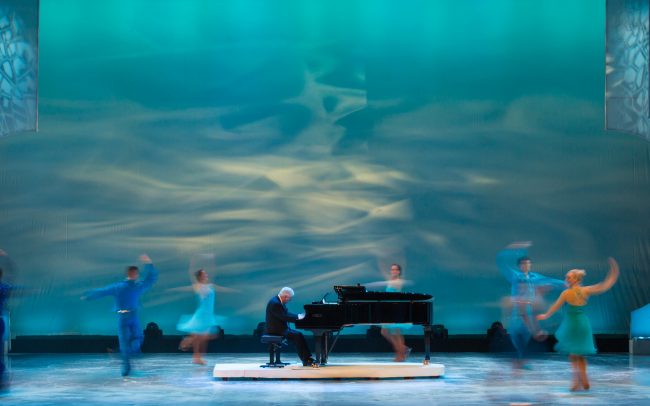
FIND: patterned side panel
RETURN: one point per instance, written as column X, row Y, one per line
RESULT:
column 18, row 66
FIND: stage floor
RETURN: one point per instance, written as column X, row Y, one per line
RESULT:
column 470, row 379
column 340, row 370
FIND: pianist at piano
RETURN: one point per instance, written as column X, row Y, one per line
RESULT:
column 356, row 305
column 277, row 319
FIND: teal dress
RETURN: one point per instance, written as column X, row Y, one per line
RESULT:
column 203, row 321
column 574, row 335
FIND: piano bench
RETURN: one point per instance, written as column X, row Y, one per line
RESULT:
column 275, row 345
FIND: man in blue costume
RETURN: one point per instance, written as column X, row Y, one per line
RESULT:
column 127, row 301
column 515, row 265
column 5, row 290
column 277, row 319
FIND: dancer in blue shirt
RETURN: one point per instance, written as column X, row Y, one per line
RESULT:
column 515, row 265
column 127, row 301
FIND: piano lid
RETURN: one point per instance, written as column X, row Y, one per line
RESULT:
column 345, row 290
column 359, row 293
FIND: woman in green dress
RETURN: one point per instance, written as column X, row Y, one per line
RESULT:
column 574, row 334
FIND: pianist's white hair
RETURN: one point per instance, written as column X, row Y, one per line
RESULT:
column 286, row 289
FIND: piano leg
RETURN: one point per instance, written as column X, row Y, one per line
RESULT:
column 427, row 344
column 325, row 348
column 321, row 346
column 318, row 345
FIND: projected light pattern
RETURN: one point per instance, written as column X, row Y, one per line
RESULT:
column 311, row 144
column 18, row 67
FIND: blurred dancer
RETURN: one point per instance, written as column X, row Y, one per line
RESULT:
column 127, row 301
column 202, row 325
column 5, row 290
column 393, row 332
column 515, row 265
column 574, row 334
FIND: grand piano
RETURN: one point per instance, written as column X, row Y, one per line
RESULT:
column 356, row 305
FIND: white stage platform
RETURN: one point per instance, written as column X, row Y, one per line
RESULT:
column 379, row 370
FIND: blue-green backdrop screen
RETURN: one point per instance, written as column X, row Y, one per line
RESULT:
column 313, row 143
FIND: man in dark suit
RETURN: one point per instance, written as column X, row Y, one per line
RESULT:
column 277, row 319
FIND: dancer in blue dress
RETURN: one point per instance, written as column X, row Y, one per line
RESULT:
column 202, row 326
column 574, row 334
column 393, row 332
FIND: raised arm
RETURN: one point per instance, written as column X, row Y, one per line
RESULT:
column 191, row 270
column 181, row 289
column 559, row 302
column 5, row 290
column 219, row 288
column 373, row 285
column 192, row 287
column 383, row 284
column 507, row 259
column 7, row 265
column 610, row 280
column 152, row 272
column 384, row 274
column 550, row 283
column 93, row 294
